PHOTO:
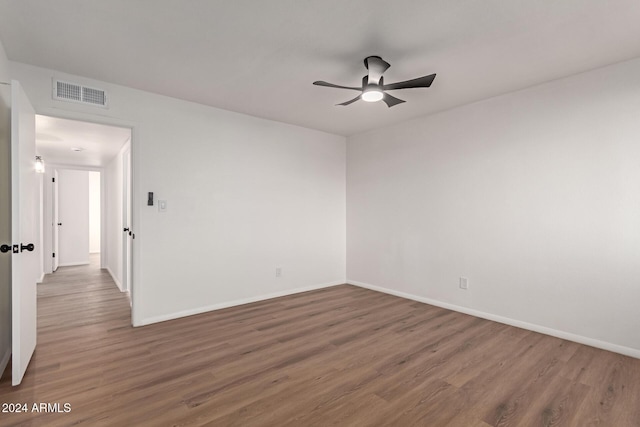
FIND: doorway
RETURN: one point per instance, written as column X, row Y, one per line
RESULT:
column 88, row 166
column 76, row 226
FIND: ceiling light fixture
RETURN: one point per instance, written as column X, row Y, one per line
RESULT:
column 373, row 87
column 76, row 149
column 372, row 94
column 39, row 165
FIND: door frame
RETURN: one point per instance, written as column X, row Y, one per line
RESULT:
column 50, row 202
column 134, row 287
column 49, row 217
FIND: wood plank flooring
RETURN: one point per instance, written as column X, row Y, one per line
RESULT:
column 340, row 356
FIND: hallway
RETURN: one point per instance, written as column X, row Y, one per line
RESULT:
column 79, row 296
column 81, row 314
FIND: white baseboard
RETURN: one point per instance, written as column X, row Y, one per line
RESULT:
column 41, row 279
column 627, row 351
column 5, row 360
column 115, row 279
column 71, row 264
column 199, row 310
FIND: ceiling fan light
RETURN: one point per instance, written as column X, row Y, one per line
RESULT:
column 373, row 95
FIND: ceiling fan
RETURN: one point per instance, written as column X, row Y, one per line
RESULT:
column 373, row 88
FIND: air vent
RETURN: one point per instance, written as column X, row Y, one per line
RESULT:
column 93, row 96
column 65, row 91
column 68, row 91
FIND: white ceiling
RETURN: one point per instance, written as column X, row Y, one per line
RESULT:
column 261, row 57
column 56, row 137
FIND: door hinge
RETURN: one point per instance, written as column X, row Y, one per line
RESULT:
column 54, row 254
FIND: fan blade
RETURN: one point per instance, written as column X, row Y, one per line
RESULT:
column 321, row 83
column 391, row 100
column 350, row 101
column 376, row 66
column 419, row 82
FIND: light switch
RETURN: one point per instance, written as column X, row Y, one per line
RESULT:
column 162, row 205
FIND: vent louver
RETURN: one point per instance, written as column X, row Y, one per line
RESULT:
column 93, row 96
column 65, row 91
column 68, row 91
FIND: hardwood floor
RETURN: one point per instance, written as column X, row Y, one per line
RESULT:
column 338, row 356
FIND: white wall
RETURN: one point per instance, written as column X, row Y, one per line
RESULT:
column 94, row 212
column 73, row 213
column 113, row 216
column 245, row 195
column 5, row 211
column 534, row 196
column 530, row 195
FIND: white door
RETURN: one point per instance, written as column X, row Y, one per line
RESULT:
column 126, row 221
column 24, row 261
column 73, row 211
column 56, row 221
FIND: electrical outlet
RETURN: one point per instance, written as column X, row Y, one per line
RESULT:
column 464, row 283
column 278, row 271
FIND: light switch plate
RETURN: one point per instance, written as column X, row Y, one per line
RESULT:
column 162, row 205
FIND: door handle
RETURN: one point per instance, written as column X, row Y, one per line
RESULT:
column 59, row 223
column 6, row 248
column 30, row 247
column 13, row 248
column 126, row 229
